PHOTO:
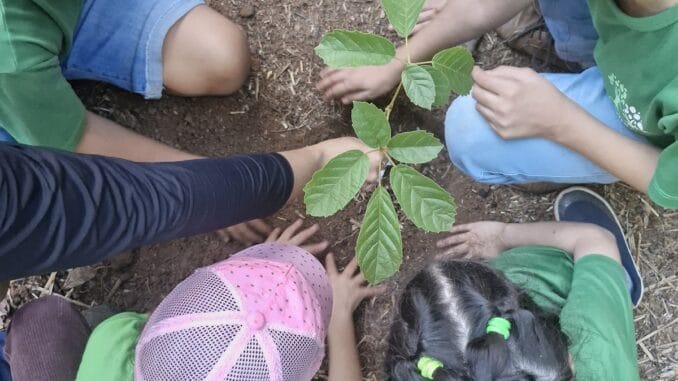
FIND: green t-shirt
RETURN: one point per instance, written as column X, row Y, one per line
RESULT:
column 109, row 354
column 591, row 298
column 37, row 104
column 637, row 58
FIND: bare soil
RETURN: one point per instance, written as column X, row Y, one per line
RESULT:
column 280, row 109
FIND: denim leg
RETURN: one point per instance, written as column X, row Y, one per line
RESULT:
column 480, row 153
column 571, row 26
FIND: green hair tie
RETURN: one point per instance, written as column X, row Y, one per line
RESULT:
column 500, row 326
column 427, row 366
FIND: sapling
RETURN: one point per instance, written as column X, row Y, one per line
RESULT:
column 379, row 247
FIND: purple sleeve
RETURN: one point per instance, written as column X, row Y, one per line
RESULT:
column 60, row 210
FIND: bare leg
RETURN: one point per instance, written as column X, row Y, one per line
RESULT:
column 205, row 54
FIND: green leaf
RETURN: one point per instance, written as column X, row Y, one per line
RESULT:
column 442, row 85
column 457, row 64
column 419, row 86
column 343, row 48
column 403, row 14
column 414, row 147
column 370, row 124
column 424, row 202
column 332, row 187
column 379, row 248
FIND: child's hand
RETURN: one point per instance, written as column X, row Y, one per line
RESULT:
column 333, row 147
column 478, row 241
column 519, row 103
column 348, row 288
column 360, row 83
column 292, row 237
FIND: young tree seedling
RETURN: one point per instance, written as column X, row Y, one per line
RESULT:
column 379, row 247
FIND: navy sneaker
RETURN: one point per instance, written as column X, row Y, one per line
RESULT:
column 578, row 204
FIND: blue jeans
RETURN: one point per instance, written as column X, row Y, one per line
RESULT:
column 479, row 152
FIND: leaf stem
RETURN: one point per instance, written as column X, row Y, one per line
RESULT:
column 389, row 108
column 389, row 158
column 423, row 63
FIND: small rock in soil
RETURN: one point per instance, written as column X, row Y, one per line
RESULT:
column 247, row 11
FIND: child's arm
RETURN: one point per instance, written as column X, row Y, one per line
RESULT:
column 519, row 103
column 487, row 239
column 348, row 291
column 458, row 22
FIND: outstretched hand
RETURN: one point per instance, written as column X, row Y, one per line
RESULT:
column 475, row 241
column 359, row 83
column 291, row 235
column 348, row 288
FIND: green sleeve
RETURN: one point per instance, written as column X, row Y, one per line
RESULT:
column 109, row 354
column 39, row 107
column 545, row 273
column 598, row 319
column 37, row 104
column 664, row 185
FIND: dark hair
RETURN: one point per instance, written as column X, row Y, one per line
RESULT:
column 443, row 314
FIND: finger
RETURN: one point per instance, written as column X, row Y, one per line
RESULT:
column 458, row 251
column 327, row 71
column 461, row 228
column 359, row 279
column 493, row 83
column 289, row 232
column 316, row 248
column 453, row 240
column 334, row 83
column 356, row 96
column 261, row 226
column 351, row 267
column 340, row 89
column 510, row 72
column 489, row 115
column 368, row 292
column 330, row 265
column 275, row 234
column 244, row 234
column 419, row 27
column 304, row 235
column 223, row 234
column 484, row 97
column 427, row 15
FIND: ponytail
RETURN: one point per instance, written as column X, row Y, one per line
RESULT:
column 473, row 324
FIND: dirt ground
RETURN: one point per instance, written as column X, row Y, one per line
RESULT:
column 280, row 109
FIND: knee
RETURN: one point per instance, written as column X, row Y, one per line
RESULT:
column 464, row 134
column 205, row 54
column 228, row 63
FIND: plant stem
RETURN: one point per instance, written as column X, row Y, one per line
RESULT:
column 423, row 63
column 389, row 108
column 407, row 50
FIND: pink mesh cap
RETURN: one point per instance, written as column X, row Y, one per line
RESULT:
column 260, row 315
